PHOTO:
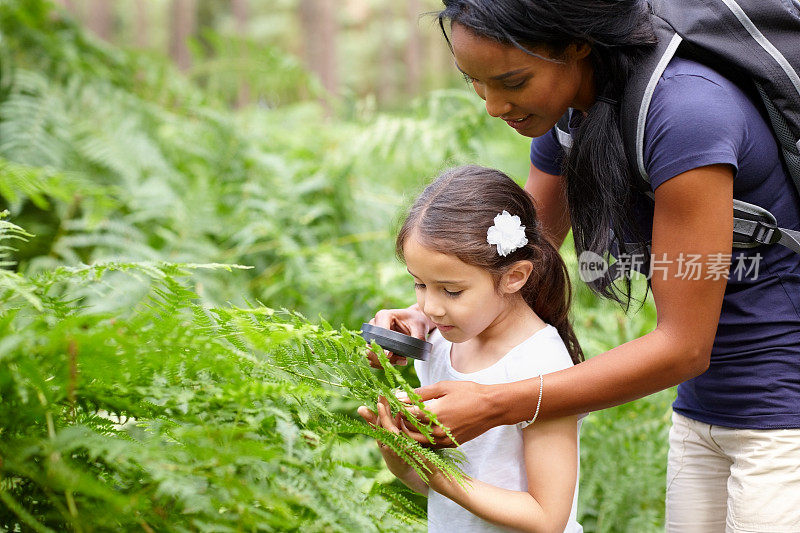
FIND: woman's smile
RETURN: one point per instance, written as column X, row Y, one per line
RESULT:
column 519, row 123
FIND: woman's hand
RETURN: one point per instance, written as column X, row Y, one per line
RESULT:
column 410, row 321
column 462, row 406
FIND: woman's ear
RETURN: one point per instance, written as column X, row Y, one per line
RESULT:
column 516, row 277
column 578, row 50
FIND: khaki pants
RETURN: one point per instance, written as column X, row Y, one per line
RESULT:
column 732, row 480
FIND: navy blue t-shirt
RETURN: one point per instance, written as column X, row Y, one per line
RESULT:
column 698, row 118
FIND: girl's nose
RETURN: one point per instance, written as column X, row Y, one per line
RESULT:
column 432, row 308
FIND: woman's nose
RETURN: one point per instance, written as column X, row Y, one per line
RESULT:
column 496, row 104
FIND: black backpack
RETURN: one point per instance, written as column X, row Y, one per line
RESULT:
column 752, row 41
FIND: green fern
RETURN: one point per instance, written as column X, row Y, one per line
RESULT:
column 218, row 416
column 168, row 383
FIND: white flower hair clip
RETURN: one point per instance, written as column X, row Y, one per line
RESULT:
column 508, row 233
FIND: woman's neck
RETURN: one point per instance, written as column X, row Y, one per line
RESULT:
column 587, row 92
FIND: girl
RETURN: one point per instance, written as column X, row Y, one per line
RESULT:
column 733, row 345
column 498, row 294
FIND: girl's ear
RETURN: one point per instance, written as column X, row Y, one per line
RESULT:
column 516, row 277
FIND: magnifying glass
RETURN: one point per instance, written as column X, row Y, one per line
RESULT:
column 397, row 343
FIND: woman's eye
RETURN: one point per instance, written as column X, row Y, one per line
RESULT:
column 468, row 78
column 452, row 294
column 419, row 285
column 518, row 85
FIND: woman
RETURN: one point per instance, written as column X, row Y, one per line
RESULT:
column 733, row 345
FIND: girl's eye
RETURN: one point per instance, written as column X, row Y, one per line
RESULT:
column 468, row 78
column 419, row 285
column 452, row 294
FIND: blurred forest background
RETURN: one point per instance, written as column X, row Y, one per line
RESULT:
column 382, row 51
column 144, row 143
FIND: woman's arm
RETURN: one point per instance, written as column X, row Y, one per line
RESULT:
column 693, row 215
column 551, row 463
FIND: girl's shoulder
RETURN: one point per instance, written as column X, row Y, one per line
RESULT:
column 541, row 353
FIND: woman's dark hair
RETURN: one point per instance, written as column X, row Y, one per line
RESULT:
column 452, row 216
column 619, row 32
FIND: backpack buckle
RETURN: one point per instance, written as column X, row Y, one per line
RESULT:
column 766, row 233
column 756, row 230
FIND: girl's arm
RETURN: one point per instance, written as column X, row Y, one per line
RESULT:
column 405, row 474
column 693, row 215
column 551, row 463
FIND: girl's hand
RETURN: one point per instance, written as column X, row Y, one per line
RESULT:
column 383, row 419
column 410, row 321
column 462, row 406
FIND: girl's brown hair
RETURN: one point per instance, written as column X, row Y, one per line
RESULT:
column 452, row 216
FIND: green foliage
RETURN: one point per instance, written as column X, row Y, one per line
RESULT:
column 172, row 415
column 623, row 466
column 134, row 396
column 11, row 282
column 228, row 64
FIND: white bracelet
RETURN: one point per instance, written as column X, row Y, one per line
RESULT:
column 538, row 404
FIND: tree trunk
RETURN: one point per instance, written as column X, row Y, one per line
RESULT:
column 386, row 56
column 183, row 17
column 142, row 24
column 413, row 48
column 101, row 18
column 318, row 20
column 240, row 9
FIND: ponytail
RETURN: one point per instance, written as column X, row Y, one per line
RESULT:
column 548, row 292
column 597, row 162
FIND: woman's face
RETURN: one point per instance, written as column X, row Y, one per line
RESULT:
column 528, row 92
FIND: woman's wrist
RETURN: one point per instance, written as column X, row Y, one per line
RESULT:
column 499, row 411
column 507, row 403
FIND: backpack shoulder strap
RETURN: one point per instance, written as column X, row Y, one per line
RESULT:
column 639, row 93
column 562, row 131
column 754, row 226
column 727, row 32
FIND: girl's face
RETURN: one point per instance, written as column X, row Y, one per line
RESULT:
column 461, row 299
column 528, row 92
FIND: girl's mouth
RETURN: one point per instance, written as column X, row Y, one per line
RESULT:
column 443, row 328
column 519, row 123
